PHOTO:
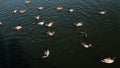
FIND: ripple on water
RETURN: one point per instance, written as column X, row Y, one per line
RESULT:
column 103, row 30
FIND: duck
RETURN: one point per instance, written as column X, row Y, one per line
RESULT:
column 1, row 23
column 27, row 1
column 49, row 24
column 46, row 54
column 37, row 17
column 40, row 7
column 83, row 34
column 18, row 27
column 71, row 10
column 85, row 45
column 102, row 12
column 108, row 60
column 41, row 23
column 59, row 8
column 22, row 11
column 78, row 24
column 51, row 33
column 14, row 11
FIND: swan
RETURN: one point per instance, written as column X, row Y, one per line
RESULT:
column 41, row 23
column 14, row 11
column 46, row 54
column 49, row 24
column 71, row 10
column 86, row 45
column 78, row 24
column 18, row 27
column 22, row 11
column 108, row 60
column 40, row 7
column 50, row 33
column 102, row 12
column 59, row 8
column 37, row 17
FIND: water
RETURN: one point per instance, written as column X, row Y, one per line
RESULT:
column 24, row 48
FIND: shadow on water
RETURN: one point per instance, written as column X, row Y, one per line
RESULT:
column 11, row 54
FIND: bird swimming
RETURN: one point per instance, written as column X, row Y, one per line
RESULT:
column 1, row 23
column 49, row 24
column 108, row 60
column 37, row 17
column 14, row 11
column 102, row 12
column 78, row 24
column 27, row 1
column 40, row 7
column 23, row 11
column 86, row 45
column 51, row 33
column 59, row 8
column 83, row 34
column 46, row 54
column 18, row 27
column 71, row 10
column 41, row 23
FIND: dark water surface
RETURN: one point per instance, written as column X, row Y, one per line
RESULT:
column 24, row 48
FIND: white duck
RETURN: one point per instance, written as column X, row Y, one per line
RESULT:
column 59, row 8
column 46, row 54
column 41, row 23
column 102, row 12
column 22, row 11
column 14, row 11
column 49, row 24
column 37, row 17
column 78, row 24
column 50, row 33
column 18, row 27
column 108, row 60
column 40, row 7
column 86, row 45
column 71, row 10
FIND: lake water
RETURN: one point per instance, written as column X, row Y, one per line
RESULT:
column 25, row 48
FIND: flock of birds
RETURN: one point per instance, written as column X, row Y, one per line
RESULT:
column 52, row 33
